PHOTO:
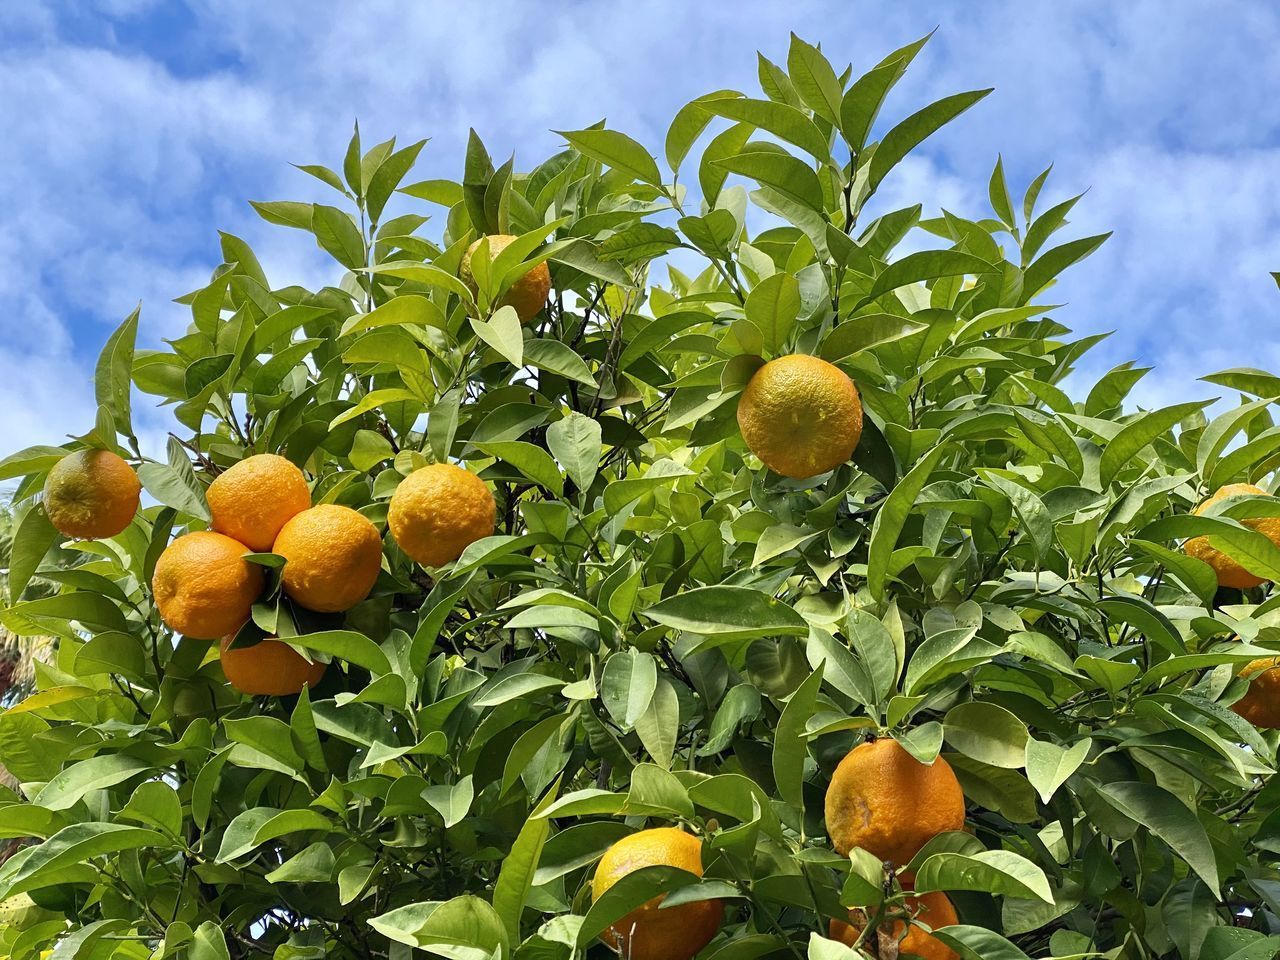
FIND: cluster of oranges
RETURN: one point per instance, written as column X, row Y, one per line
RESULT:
column 204, row 586
column 890, row 804
column 880, row 798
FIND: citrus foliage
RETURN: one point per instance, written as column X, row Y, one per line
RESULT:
column 660, row 632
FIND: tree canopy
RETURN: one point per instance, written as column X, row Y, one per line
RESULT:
column 661, row 631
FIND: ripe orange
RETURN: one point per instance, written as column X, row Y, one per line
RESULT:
column 527, row 294
column 890, row 804
column 648, row 932
column 203, row 586
column 438, row 511
column 269, row 667
column 801, row 416
column 1230, row 573
column 935, row 909
column 91, row 494
column 1261, row 703
column 332, row 557
column 254, row 498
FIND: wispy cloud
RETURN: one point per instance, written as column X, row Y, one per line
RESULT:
column 142, row 127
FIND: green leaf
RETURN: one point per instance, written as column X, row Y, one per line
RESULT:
column 923, row 742
column 32, row 617
column 424, row 273
column 782, row 120
column 1167, row 818
column 987, row 732
column 406, row 310
column 814, row 79
column 1245, row 546
column 1038, row 276
column 1049, row 765
column 999, row 872
column 921, row 266
column 516, row 877
column 97, row 773
column 504, row 333
column 175, row 488
column 347, row 645
column 32, row 541
column 371, row 401
column 862, row 101
column 789, row 745
column 464, row 928
column 112, row 377
column 978, row 943
column 532, row 461
column 773, row 306
column 728, row 613
column 864, row 332
column 998, row 192
column 640, row 241
column 208, row 943
column 659, row 726
column 913, row 131
column 30, row 460
column 338, row 235
column 1136, row 435
column 616, row 150
column 740, row 705
column 451, row 801
column 387, row 176
column 516, row 686
column 556, row 357
column 627, row 686
column 687, row 125
column 284, row 213
column 575, row 441
column 72, row 845
column 773, row 167
column 891, row 518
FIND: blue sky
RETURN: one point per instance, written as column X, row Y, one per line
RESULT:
column 135, row 129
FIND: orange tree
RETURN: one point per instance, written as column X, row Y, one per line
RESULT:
column 901, row 655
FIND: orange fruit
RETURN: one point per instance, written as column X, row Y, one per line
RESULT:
column 887, row 802
column 91, row 494
column 253, row 499
column 332, row 557
column 1230, row 573
column 268, row 668
column 203, row 586
column 935, row 909
column 526, row 295
column 438, row 511
column 801, row 416
column 1261, row 703
column 648, row 932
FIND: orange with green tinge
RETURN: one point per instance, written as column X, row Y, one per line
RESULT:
column 91, row 495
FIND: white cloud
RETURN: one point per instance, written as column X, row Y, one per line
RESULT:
column 117, row 169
